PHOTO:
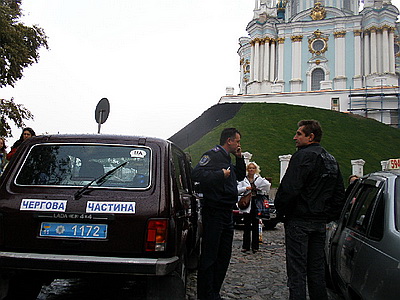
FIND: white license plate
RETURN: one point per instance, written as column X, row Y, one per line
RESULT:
column 73, row 230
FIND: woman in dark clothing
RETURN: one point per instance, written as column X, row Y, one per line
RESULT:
column 26, row 134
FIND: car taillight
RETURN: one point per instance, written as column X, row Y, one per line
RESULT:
column 266, row 203
column 157, row 230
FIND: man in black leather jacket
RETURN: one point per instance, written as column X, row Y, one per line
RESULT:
column 310, row 194
column 218, row 182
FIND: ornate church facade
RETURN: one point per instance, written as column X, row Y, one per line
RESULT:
column 331, row 54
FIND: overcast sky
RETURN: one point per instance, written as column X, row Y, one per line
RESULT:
column 160, row 63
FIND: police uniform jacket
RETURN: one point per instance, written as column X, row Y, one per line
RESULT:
column 312, row 188
column 218, row 191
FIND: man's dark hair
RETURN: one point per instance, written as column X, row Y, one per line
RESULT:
column 311, row 126
column 228, row 133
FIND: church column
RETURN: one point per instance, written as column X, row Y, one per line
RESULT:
column 296, row 57
column 296, row 82
column 272, row 60
column 262, row 53
column 391, row 50
column 252, row 62
column 266, row 59
column 357, row 82
column 340, row 60
column 367, row 65
column 386, row 48
column 242, row 66
column 256, row 59
column 379, row 51
column 281, row 42
column 373, row 51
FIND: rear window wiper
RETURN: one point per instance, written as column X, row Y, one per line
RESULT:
column 100, row 180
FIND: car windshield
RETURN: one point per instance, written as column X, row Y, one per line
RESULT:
column 79, row 164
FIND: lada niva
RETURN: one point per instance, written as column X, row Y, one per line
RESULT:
column 363, row 246
column 98, row 204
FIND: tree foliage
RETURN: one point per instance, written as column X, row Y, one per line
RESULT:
column 14, row 112
column 19, row 44
column 19, row 48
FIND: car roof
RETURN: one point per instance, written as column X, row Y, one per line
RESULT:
column 97, row 138
column 387, row 174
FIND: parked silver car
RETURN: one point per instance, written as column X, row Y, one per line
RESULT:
column 363, row 247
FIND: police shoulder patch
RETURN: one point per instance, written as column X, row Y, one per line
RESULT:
column 204, row 160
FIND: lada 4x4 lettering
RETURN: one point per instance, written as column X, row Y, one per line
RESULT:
column 98, row 204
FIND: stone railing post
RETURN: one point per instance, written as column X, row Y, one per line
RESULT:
column 284, row 161
column 384, row 164
column 357, row 167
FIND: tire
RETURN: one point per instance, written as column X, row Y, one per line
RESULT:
column 4, row 285
column 22, row 286
column 268, row 224
column 172, row 286
column 194, row 258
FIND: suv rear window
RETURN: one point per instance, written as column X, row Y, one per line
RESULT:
column 79, row 164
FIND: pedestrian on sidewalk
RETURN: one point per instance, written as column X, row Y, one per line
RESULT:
column 218, row 181
column 310, row 194
column 259, row 188
column 26, row 134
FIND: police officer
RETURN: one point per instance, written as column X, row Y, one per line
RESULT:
column 218, row 182
column 310, row 194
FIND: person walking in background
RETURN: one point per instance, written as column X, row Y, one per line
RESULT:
column 26, row 134
column 259, row 188
column 218, row 181
column 3, row 154
column 311, row 194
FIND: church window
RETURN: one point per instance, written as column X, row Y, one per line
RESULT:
column 317, row 76
column 318, row 45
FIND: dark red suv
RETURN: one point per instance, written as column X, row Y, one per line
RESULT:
column 99, row 204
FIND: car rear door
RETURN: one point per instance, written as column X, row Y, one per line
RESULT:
column 376, row 273
column 354, row 235
column 56, row 201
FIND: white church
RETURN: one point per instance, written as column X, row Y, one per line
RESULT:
column 334, row 54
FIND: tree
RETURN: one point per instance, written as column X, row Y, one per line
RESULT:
column 19, row 48
column 19, row 44
column 14, row 112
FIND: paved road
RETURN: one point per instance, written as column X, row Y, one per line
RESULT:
column 257, row 276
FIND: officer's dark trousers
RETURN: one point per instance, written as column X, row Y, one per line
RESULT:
column 305, row 259
column 216, row 250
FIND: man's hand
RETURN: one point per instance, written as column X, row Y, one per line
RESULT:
column 238, row 152
column 227, row 172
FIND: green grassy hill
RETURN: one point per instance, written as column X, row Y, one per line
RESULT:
column 268, row 130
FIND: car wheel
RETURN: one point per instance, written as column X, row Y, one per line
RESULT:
column 194, row 257
column 21, row 286
column 172, row 286
column 269, row 224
